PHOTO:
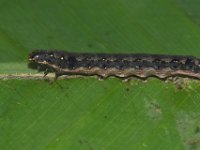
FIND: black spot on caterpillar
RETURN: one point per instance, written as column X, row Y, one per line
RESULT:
column 119, row 65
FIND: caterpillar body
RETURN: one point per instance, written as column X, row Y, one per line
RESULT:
column 119, row 65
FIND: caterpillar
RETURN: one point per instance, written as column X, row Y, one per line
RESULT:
column 119, row 65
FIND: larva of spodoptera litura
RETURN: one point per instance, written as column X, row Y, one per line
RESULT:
column 119, row 65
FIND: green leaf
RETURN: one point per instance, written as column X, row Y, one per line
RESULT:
column 83, row 112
